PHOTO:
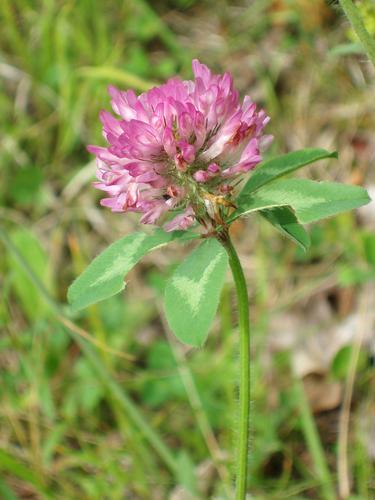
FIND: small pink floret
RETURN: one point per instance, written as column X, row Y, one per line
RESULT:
column 201, row 176
column 182, row 221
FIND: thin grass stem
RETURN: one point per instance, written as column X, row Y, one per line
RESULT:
column 314, row 444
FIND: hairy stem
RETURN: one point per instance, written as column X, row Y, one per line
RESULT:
column 244, row 383
column 352, row 13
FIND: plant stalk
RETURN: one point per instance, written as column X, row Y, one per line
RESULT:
column 244, row 382
column 352, row 13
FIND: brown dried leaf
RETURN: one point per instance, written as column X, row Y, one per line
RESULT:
column 322, row 394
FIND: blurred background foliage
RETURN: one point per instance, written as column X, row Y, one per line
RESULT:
column 106, row 405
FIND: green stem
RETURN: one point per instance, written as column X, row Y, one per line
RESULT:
column 352, row 13
column 244, row 330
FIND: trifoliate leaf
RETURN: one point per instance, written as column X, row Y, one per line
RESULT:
column 104, row 277
column 192, row 294
column 274, row 168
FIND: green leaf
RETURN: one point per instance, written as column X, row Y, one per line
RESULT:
column 26, row 184
column 116, row 75
column 369, row 247
column 29, row 246
column 192, row 293
column 310, row 200
column 283, row 219
column 347, row 49
column 104, row 277
column 164, row 383
column 5, row 492
column 354, row 274
column 341, row 362
column 186, row 472
column 14, row 466
column 274, row 168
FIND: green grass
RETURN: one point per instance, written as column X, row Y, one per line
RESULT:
column 104, row 403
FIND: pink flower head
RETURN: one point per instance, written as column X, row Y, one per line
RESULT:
column 176, row 145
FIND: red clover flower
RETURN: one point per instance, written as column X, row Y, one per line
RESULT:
column 179, row 147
